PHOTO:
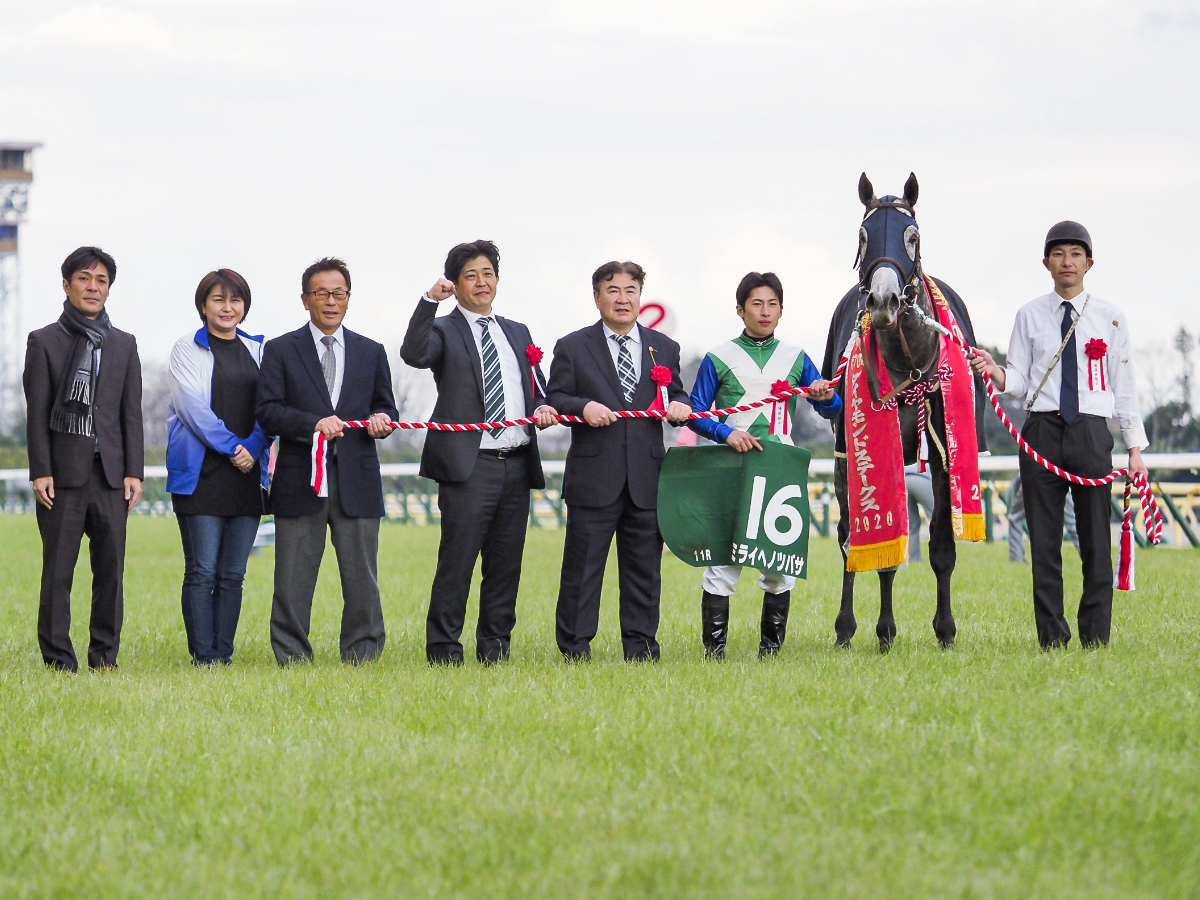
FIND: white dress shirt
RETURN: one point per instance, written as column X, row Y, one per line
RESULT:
column 1036, row 337
column 633, row 345
column 510, row 374
column 339, row 356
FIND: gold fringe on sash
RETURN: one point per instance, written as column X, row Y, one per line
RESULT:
column 872, row 557
column 972, row 527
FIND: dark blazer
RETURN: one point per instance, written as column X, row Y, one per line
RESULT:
column 117, row 412
column 445, row 345
column 292, row 398
column 602, row 460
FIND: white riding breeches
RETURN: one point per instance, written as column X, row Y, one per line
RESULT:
column 722, row 581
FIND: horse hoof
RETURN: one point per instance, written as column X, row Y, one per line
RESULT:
column 887, row 636
column 842, row 643
column 844, row 627
column 946, row 632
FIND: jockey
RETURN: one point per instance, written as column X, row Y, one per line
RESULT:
column 738, row 371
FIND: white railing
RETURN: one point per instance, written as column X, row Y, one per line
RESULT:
column 1168, row 461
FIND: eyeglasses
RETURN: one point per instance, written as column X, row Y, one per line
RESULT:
column 323, row 295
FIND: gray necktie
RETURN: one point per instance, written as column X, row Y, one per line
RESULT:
column 625, row 367
column 493, row 383
column 329, row 364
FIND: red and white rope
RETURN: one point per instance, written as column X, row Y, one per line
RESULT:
column 320, row 441
column 1151, row 515
column 1150, row 512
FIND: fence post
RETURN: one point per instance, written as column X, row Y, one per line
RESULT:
column 988, row 523
column 1179, row 517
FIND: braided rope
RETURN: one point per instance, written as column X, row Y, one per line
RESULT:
column 1150, row 511
column 777, row 396
column 1151, row 515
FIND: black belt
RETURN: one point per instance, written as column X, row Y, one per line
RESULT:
column 506, row 452
column 1055, row 413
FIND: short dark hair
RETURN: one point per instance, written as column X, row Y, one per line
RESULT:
column 461, row 254
column 233, row 283
column 325, row 264
column 755, row 280
column 84, row 258
column 610, row 270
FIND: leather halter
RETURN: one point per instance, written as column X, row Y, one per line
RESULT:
column 917, row 374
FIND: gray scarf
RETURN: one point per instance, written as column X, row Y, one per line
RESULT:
column 72, row 412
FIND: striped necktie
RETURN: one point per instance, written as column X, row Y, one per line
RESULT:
column 329, row 364
column 625, row 367
column 493, row 383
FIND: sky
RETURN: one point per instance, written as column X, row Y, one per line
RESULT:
column 700, row 138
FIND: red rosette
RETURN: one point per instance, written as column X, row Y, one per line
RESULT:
column 1095, row 348
column 661, row 375
column 534, row 354
column 780, row 389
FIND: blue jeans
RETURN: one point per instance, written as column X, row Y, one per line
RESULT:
column 215, row 550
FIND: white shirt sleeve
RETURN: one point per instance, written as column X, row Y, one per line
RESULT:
column 1119, row 360
column 1020, row 357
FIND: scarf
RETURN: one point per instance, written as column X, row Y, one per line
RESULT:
column 962, row 443
column 72, row 412
column 874, row 457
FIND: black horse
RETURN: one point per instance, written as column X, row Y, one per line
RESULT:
column 891, row 288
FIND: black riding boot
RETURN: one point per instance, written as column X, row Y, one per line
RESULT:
column 774, row 622
column 714, row 628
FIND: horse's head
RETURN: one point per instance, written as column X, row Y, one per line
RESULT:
column 889, row 251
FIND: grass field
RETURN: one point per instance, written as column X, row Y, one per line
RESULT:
column 993, row 770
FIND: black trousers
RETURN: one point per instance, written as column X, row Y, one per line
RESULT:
column 99, row 511
column 488, row 513
column 1084, row 448
column 590, row 532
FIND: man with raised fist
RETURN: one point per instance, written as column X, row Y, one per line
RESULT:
column 486, row 369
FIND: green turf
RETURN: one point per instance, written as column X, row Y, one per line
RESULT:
column 993, row 770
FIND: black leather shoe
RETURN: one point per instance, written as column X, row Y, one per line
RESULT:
column 774, row 622
column 714, row 624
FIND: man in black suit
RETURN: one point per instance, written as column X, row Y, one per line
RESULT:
column 314, row 379
column 611, row 482
column 83, row 387
column 484, row 374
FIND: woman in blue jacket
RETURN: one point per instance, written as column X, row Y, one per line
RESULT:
column 217, row 459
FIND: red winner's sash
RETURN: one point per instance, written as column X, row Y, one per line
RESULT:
column 962, row 443
column 875, row 462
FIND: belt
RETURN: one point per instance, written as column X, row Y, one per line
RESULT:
column 506, row 452
column 1054, row 413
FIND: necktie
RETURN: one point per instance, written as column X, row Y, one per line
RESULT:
column 329, row 364
column 625, row 367
column 493, row 383
column 1068, row 395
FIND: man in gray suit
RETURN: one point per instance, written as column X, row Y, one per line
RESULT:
column 486, row 370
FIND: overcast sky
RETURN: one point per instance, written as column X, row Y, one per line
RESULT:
column 701, row 138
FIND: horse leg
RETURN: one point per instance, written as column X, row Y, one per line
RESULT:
column 885, row 628
column 844, row 625
column 941, row 539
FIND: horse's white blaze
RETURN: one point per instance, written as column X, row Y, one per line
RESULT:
column 884, row 283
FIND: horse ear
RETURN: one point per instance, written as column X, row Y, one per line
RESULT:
column 866, row 193
column 911, row 189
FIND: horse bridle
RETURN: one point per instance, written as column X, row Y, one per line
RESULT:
column 908, row 301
